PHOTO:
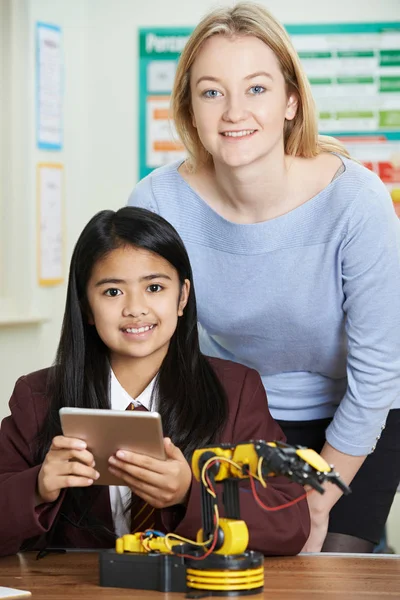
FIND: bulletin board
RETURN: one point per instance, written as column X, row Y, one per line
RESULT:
column 354, row 72
column 159, row 50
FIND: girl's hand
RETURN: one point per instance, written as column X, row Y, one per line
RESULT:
column 67, row 464
column 161, row 483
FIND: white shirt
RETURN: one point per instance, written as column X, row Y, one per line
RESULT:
column 120, row 495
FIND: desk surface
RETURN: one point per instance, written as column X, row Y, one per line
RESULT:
column 304, row 577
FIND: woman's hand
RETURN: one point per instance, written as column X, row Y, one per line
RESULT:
column 320, row 505
column 161, row 483
column 67, row 464
column 319, row 516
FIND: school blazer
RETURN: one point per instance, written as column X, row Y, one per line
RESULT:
column 23, row 527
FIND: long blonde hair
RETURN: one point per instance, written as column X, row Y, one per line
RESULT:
column 300, row 134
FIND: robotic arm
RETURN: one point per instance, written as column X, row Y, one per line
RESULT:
column 228, row 464
column 266, row 459
column 218, row 561
column 251, row 460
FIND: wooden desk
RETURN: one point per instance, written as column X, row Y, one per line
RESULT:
column 304, row 577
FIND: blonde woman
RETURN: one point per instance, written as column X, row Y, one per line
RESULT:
column 296, row 256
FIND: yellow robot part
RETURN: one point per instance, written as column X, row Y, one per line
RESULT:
column 244, row 455
column 314, row 459
column 226, row 580
column 236, row 536
column 223, row 471
column 132, row 542
column 129, row 543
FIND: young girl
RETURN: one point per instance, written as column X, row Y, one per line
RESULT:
column 130, row 335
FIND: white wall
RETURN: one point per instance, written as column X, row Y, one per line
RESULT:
column 100, row 142
column 31, row 346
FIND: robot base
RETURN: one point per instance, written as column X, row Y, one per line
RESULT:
column 217, row 575
column 226, row 575
column 152, row 571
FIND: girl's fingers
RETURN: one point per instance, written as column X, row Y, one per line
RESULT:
column 65, row 468
column 70, row 481
column 83, row 456
column 76, row 468
column 144, row 487
column 153, row 495
column 157, row 496
column 141, row 461
column 139, row 473
column 61, row 442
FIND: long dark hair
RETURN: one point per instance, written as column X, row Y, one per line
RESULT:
column 192, row 402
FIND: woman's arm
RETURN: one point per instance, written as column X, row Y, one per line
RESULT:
column 320, row 504
column 370, row 270
column 370, row 261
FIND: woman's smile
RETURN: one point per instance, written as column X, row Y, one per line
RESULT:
column 238, row 136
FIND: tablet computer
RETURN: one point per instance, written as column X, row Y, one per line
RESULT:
column 106, row 431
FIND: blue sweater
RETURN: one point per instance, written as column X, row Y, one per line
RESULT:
column 310, row 299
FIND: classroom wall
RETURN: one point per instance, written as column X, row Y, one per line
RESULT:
column 100, row 148
column 30, row 344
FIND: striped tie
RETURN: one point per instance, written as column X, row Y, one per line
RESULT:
column 142, row 513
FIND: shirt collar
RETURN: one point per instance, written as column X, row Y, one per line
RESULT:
column 120, row 398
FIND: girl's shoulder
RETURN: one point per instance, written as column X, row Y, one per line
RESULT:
column 232, row 374
column 247, row 405
column 33, row 384
column 28, row 409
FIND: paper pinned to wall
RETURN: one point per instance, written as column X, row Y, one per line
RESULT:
column 49, row 87
column 50, row 223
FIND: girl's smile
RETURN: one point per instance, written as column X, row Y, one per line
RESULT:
column 139, row 332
